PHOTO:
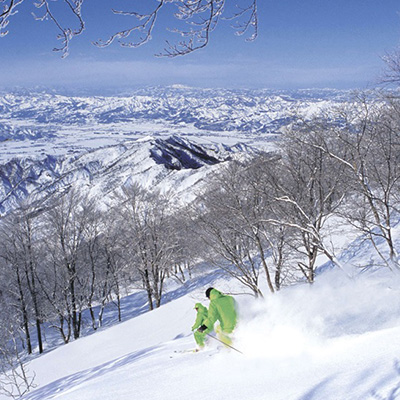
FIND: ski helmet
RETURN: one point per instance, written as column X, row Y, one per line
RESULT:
column 208, row 291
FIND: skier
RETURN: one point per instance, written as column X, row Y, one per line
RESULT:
column 223, row 309
column 199, row 336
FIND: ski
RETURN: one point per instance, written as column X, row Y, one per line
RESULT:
column 208, row 352
column 186, row 351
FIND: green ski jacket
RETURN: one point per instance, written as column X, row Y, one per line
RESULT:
column 223, row 309
column 201, row 316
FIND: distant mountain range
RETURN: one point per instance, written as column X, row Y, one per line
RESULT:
column 30, row 115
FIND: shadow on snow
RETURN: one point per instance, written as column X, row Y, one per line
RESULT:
column 70, row 382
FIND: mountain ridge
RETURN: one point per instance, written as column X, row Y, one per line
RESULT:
column 152, row 162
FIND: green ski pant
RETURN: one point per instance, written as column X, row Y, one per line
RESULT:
column 199, row 337
column 224, row 337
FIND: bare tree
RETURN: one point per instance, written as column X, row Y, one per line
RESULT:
column 113, row 271
column 92, row 258
column 66, row 221
column 230, row 251
column 199, row 18
column 188, row 248
column 23, row 222
column 15, row 378
column 13, row 275
column 367, row 146
column 151, row 244
column 391, row 72
column 308, row 187
column 231, row 216
column 261, row 174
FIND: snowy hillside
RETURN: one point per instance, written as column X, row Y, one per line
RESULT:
column 335, row 340
column 171, row 164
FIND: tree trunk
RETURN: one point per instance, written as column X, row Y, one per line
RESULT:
column 25, row 318
column 147, row 286
column 265, row 266
column 33, row 291
column 74, row 313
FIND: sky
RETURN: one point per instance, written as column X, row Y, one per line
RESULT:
column 301, row 44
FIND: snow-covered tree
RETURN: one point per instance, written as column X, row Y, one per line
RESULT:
column 365, row 142
column 308, row 188
column 150, row 241
column 231, row 216
column 14, row 275
column 15, row 377
column 66, row 220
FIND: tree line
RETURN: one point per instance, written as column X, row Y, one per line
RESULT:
column 262, row 219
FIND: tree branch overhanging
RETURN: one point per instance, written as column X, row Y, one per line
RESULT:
column 8, row 10
column 66, row 33
column 200, row 18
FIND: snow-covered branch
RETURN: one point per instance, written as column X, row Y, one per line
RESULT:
column 145, row 26
column 66, row 33
column 9, row 9
column 249, row 22
column 195, row 20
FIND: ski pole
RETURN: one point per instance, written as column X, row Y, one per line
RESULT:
column 226, row 344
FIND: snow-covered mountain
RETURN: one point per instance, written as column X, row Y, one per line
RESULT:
column 49, row 140
column 173, row 163
column 261, row 111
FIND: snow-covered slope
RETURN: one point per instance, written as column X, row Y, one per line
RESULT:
column 335, row 340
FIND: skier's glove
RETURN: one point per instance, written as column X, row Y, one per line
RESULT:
column 202, row 328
